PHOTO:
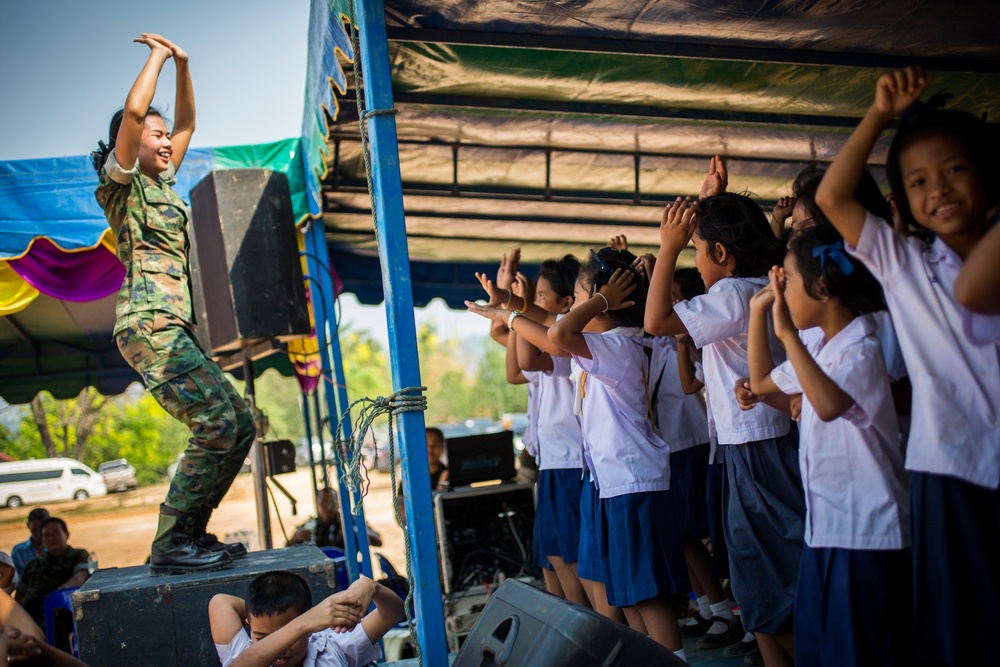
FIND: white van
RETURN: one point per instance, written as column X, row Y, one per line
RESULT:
column 47, row 480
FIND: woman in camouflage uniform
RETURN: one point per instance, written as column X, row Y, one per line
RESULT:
column 154, row 315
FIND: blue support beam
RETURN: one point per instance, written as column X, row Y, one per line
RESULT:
column 307, row 420
column 395, row 264
column 361, row 537
column 322, row 290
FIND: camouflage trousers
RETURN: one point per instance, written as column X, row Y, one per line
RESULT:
column 192, row 389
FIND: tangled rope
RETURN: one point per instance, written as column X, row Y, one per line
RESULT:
column 409, row 399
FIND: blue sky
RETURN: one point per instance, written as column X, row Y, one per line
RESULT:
column 67, row 65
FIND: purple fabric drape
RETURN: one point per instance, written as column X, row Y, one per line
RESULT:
column 83, row 275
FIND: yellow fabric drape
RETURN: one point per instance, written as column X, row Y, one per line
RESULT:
column 304, row 352
column 15, row 293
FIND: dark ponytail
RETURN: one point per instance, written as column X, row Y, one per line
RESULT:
column 100, row 156
column 561, row 274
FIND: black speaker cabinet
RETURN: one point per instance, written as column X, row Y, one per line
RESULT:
column 280, row 456
column 247, row 275
column 525, row 626
column 125, row 617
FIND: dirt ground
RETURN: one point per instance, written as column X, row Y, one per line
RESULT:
column 119, row 527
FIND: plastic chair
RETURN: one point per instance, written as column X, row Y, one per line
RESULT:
column 59, row 599
column 340, row 566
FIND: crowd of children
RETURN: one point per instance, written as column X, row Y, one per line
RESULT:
column 842, row 466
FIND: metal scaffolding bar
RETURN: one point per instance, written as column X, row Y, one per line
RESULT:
column 395, row 264
column 322, row 290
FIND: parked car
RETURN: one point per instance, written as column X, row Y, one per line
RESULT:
column 471, row 427
column 302, row 452
column 48, row 480
column 119, row 475
column 518, row 423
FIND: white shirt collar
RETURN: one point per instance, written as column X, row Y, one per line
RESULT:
column 858, row 328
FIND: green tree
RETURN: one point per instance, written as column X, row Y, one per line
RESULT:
column 65, row 426
column 491, row 381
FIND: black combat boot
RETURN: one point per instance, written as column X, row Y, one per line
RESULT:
column 175, row 550
column 208, row 540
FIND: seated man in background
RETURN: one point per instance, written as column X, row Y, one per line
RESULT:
column 435, row 466
column 61, row 566
column 31, row 547
column 326, row 530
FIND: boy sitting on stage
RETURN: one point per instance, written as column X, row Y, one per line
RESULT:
column 287, row 631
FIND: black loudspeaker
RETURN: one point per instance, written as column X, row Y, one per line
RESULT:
column 126, row 617
column 246, row 273
column 524, row 626
column 280, row 456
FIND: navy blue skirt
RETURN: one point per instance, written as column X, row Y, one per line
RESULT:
column 689, row 486
column 716, row 511
column 557, row 515
column 588, row 565
column 641, row 548
column 854, row 607
column 764, row 528
column 956, row 570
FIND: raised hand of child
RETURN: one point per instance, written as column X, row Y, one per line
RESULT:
column 643, row 265
column 498, row 315
column 497, row 296
column 746, row 399
column 524, row 288
column 763, row 299
column 677, row 225
column 340, row 612
column 717, row 180
column 507, row 271
column 782, row 210
column 619, row 286
column 618, row 242
column 897, row 91
column 783, row 325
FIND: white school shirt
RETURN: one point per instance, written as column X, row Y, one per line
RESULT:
column 530, row 435
column 713, row 438
column 718, row 323
column 624, row 454
column 326, row 648
column 560, row 444
column 955, row 427
column 886, row 332
column 981, row 329
column 856, row 489
column 681, row 419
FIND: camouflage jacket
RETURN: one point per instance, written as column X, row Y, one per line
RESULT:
column 150, row 222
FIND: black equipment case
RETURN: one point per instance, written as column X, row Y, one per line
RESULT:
column 126, row 617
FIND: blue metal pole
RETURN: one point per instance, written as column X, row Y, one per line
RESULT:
column 396, row 283
column 318, row 266
column 359, row 520
column 319, row 435
column 307, row 418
